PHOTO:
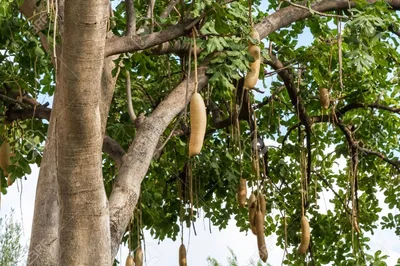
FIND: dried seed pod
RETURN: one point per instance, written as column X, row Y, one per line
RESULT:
column 252, row 75
column 252, row 207
column 262, row 249
column 5, row 156
column 242, row 192
column 129, row 261
column 182, row 255
column 198, row 124
column 305, row 235
column 139, row 257
column 262, row 203
column 324, row 98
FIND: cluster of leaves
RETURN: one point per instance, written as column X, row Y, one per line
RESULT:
column 12, row 252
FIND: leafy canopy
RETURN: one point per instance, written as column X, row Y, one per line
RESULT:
column 370, row 66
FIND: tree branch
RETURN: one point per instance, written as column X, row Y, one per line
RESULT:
column 285, row 16
column 130, row 18
column 168, row 9
column 354, row 144
column 112, row 148
column 351, row 106
column 131, row 112
column 118, row 45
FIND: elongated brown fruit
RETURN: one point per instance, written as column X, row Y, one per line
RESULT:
column 10, row 181
column 305, row 235
column 261, row 203
column 5, row 157
column 252, row 207
column 242, row 192
column 355, row 224
column 324, row 97
column 198, row 124
column 262, row 248
column 129, row 261
column 252, row 75
column 139, row 257
column 182, row 255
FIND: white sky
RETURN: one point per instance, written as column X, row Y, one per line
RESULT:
column 204, row 244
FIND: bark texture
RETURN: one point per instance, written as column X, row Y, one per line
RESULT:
column 84, row 236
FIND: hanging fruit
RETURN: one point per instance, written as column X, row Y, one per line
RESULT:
column 129, row 261
column 5, row 156
column 182, row 255
column 324, row 98
column 242, row 192
column 252, row 207
column 139, row 257
column 254, row 50
column 262, row 203
column 305, row 235
column 262, row 248
column 198, row 124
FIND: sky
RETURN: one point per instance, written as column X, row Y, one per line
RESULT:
column 21, row 197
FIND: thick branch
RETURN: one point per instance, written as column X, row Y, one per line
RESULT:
column 285, row 16
column 134, row 43
column 40, row 112
column 130, row 18
column 341, row 112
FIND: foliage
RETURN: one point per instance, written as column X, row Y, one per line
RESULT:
column 12, row 252
column 232, row 261
column 370, row 75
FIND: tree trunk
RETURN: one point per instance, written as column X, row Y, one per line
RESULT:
column 84, row 235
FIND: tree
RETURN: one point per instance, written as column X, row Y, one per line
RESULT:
column 98, row 160
column 12, row 251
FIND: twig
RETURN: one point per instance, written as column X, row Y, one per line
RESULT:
column 168, row 9
column 130, row 17
column 131, row 112
column 334, row 192
column 150, row 13
column 315, row 11
column 353, row 143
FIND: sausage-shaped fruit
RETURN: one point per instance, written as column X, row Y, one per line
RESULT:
column 242, row 192
column 198, row 124
column 182, row 255
column 129, row 261
column 5, row 156
column 305, row 235
column 139, row 257
column 324, row 98
column 261, row 203
column 262, row 248
column 252, row 75
column 252, row 207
